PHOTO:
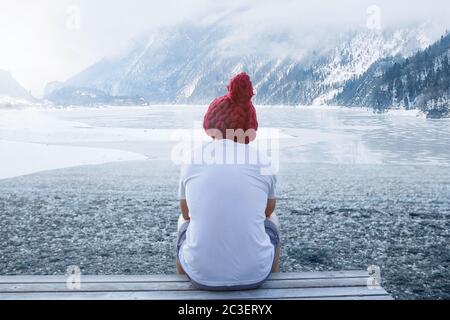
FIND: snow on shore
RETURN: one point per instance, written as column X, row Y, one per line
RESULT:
column 21, row 158
column 25, row 146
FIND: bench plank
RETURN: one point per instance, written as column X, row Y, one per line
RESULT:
column 176, row 286
column 349, row 285
column 374, row 297
column 200, row 295
column 172, row 277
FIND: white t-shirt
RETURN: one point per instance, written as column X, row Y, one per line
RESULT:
column 226, row 243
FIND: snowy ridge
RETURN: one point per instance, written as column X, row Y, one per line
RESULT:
column 189, row 64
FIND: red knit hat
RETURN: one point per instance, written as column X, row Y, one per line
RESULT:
column 234, row 110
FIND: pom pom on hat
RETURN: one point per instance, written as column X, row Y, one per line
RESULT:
column 240, row 88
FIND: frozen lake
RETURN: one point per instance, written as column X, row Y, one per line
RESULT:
column 354, row 189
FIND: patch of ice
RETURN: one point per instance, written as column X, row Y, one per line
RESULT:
column 21, row 158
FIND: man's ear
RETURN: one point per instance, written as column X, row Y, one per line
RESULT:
column 214, row 133
column 252, row 136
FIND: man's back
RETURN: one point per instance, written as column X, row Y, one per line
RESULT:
column 226, row 242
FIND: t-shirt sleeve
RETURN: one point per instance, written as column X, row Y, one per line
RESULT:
column 182, row 184
column 272, row 187
column 181, row 190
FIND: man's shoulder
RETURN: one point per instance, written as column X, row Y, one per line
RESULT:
column 223, row 152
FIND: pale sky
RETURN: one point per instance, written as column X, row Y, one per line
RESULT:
column 46, row 40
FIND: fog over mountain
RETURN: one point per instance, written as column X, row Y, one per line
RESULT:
column 47, row 40
column 191, row 63
column 12, row 93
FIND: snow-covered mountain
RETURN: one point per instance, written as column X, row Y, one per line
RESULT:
column 10, row 87
column 421, row 81
column 192, row 64
column 12, row 94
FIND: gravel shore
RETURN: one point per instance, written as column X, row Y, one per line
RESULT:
column 121, row 219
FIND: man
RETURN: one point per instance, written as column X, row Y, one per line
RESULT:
column 228, row 233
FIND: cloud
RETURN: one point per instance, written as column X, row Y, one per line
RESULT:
column 292, row 27
column 39, row 43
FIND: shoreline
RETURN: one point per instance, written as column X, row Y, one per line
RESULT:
column 26, row 145
column 24, row 158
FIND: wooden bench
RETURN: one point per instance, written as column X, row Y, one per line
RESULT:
column 340, row 285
